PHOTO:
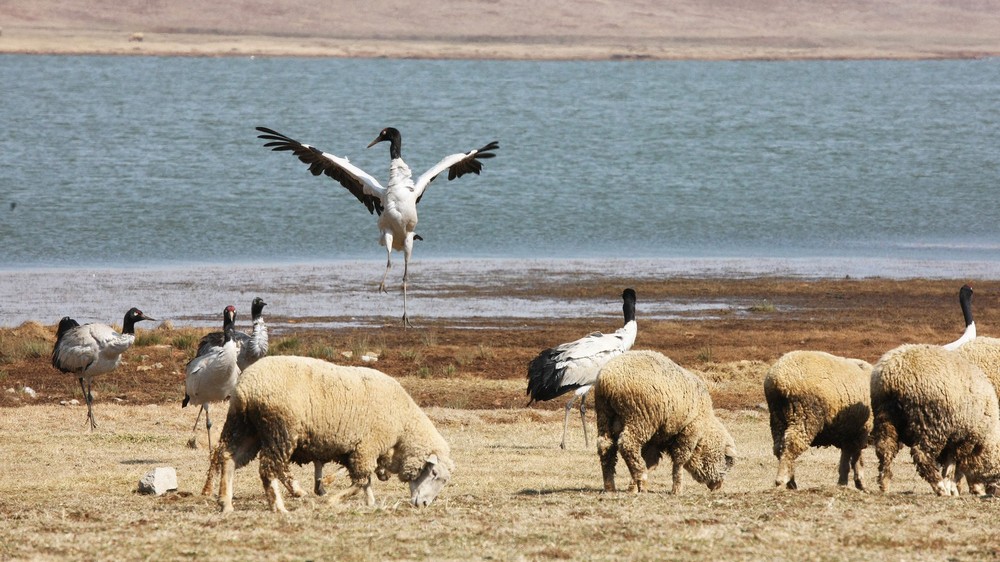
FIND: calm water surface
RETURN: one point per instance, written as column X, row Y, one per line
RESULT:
column 135, row 161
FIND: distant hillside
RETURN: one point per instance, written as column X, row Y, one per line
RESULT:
column 654, row 27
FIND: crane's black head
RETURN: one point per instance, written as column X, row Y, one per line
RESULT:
column 392, row 135
column 228, row 317
column 65, row 325
column 131, row 317
column 628, row 304
column 257, row 307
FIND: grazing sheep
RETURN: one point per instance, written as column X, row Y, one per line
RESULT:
column 307, row 410
column 984, row 353
column 816, row 400
column 940, row 405
column 647, row 405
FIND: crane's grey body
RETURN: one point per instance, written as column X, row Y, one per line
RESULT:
column 574, row 366
column 212, row 375
column 92, row 350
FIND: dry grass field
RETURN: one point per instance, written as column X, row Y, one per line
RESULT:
column 69, row 494
column 66, row 493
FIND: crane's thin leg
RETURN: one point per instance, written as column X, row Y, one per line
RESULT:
column 387, row 242
column 197, row 419
column 569, row 408
column 583, row 418
column 208, row 427
column 89, row 399
column 407, row 250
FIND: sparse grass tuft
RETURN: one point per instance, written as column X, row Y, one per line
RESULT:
column 412, row 355
column 287, row 346
column 185, row 341
column 705, row 354
column 147, row 338
column 762, row 306
column 321, row 351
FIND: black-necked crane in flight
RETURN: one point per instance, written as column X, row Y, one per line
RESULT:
column 396, row 203
column 574, row 366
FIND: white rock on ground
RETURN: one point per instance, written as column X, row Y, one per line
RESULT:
column 158, row 481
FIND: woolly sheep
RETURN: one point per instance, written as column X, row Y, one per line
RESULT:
column 940, row 405
column 818, row 399
column 984, row 353
column 647, row 405
column 307, row 410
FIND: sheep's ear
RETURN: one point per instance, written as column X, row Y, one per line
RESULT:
column 731, row 452
column 433, row 459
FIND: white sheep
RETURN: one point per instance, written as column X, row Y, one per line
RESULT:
column 647, row 405
column 817, row 400
column 307, row 410
column 940, row 405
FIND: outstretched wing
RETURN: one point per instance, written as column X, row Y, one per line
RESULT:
column 457, row 165
column 366, row 188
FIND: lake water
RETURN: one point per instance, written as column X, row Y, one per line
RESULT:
column 143, row 162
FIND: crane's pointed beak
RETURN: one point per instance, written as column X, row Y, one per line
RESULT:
column 374, row 142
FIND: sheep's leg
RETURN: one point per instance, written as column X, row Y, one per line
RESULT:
column 844, row 467
column 631, row 450
column 857, row 465
column 569, row 408
column 318, row 478
column 885, row 440
column 273, row 493
column 926, row 465
column 356, row 487
column 607, row 448
column 226, row 481
column 677, row 475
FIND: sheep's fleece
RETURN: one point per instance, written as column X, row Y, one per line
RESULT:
column 306, row 410
column 816, row 400
column 647, row 405
column 940, row 405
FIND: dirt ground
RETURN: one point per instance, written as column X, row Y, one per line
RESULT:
column 509, row 29
column 461, row 365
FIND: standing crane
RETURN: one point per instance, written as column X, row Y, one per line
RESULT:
column 91, row 350
column 574, row 366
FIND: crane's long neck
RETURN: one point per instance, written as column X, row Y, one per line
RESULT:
column 395, row 147
column 128, row 325
column 628, row 308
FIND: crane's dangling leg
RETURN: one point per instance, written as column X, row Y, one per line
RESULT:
column 407, row 250
column 387, row 242
column 89, row 399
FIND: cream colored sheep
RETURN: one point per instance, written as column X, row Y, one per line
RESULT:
column 940, row 405
column 307, row 410
column 647, row 405
column 817, row 400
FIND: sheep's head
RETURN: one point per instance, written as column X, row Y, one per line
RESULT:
column 713, row 458
column 432, row 478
